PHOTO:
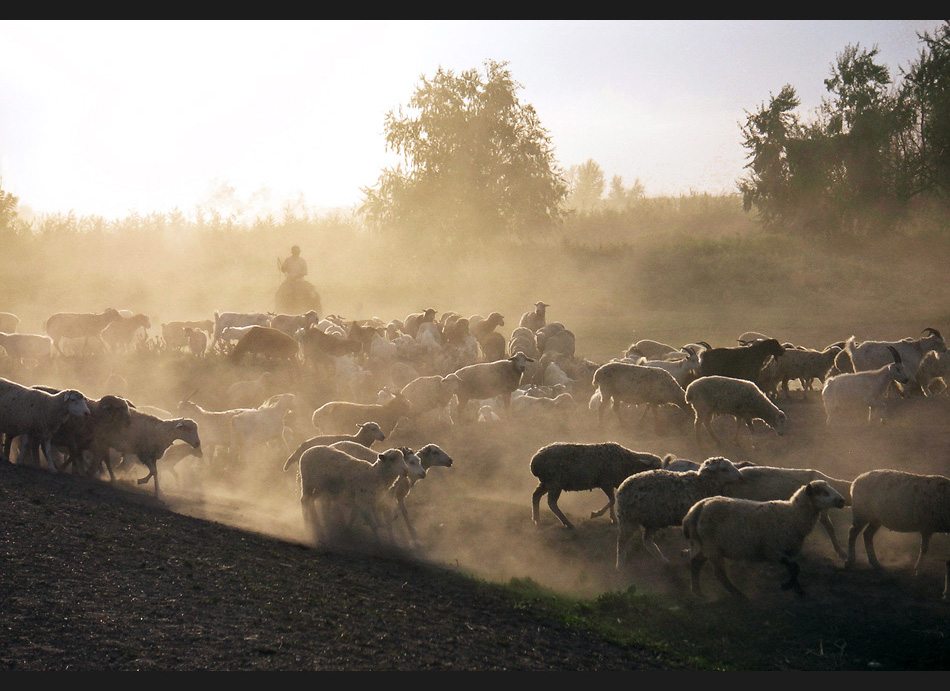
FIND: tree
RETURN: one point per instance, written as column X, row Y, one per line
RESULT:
column 9, row 218
column 588, row 185
column 476, row 160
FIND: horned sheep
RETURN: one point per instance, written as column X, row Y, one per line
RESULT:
column 716, row 395
column 569, row 467
column 871, row 355
column 720, row 528
column 903, row 502
column 933, row 366
column 864, row 390
column 656, row 499
column 739, row 362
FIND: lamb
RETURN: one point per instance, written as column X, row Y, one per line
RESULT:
column 224, row 320
column 656, row 499
column 863, row 389
column 268, row 343
column 805, row 365
column 490, row 379
column 903, row 502
column 563, row 466
column 147, row 438
column 715, row 395
column 739, row 362
column 36, row 414
column 9, row 322
column 79, row 325
column 765, row 483
column 418, row 464
column 720, row 528
column 535, row 319
column 22, row 347
column 620, row 382
column 336, row 416
column 327, row 474
column 369, row 433
column 871, row 355
column 197, row 340
column 120, row 333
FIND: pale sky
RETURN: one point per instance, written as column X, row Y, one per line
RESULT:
column 111, row 117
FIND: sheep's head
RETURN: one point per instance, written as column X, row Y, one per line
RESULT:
column 374, row 431
column 780, row 424
column 75, row 403
column 116, row 408
column 823, row 495
column 934, row 341
column 520, row 361
column 721, row 469
column 433, row 455
column 186, row 429
column 393, row 462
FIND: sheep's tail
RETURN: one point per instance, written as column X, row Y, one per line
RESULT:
column 294, row 457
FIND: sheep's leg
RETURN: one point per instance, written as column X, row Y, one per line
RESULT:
column 924, row 546
column 608, row 507
column 625, row 534
column 857, row 526
column 829, row 527
column 649, row 544
column 553, row 495
column 696, row 562
column 414, row 540
column 720, row 570
column 539, row 492
column 48, row 452
column 793, row 570
column 869, row 543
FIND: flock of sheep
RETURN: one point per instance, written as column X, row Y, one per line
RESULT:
column 421, row 374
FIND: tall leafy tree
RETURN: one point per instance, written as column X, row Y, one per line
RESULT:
column 475, row 160
column 588, row 185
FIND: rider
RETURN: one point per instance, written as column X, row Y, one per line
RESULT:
column 294, row 266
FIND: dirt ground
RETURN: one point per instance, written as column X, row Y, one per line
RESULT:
column 217, row 575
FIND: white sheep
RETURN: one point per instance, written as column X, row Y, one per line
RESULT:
column 863, row 390
column 765, row 483
column 369, row 433
column 490, row 379
column 872, row 355
column 215, row 425
column 903, row 502
column 291, row 323
column 569, row 467
column 262, row 425
column 803, row 364
column 79, row 325
column 656, row 499
column 650, row 349
column 534, row 319
column 336, row 417
column 559, row 408
column 716, row 395
column 431, row 393
column 684, row 369
column 523, row 340
column 36, row 414
column 331, row 476
column 720, row 528
column 173, row 332
column 933, row 366
column 621, row 382
column 22, row 347
column 224, row 320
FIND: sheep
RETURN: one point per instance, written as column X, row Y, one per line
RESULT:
column 265, row 342
column 336, row 416
column 805, row 365
column 656, row 499
column 9, row 322
column 490, row 379
column 903, row 502
column 418, row 464
column 79, row 325
column 215, row 425
column 862, row 389
column 871, row 355
column 292, row 323
column 493, row 347
column 262, row 425
column 147, row 438
column 319, row 348
column 684, row 370
column 557, row 408
column 78, row 434
column 535, row 319
column 327, row 474
column 620, row 382
column 224, row 320
column 36, row 414
column 173, row 333
column 739, row 362
column 650, row 349
column 570, row 467
column 933, row 366
column 765, row 483
column 369, row 433
column 716, row 395
column 415, row 320
column 481, row 328
column 430, row 393
column 22, row 347
column 197, row 340
column 720, row 528
column 120, row 333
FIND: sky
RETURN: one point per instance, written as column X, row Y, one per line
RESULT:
column 109, row 118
